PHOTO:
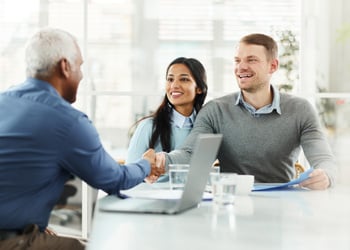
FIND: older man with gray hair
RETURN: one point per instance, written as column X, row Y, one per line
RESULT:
column 44, row 141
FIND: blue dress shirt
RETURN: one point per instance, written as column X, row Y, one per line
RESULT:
column 275, row 105
column 182, row 121
column 43, row 141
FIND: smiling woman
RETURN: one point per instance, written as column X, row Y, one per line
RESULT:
column 167, row 128
column 181, row 89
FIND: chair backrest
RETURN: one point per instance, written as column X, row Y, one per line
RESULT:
column 298, row 169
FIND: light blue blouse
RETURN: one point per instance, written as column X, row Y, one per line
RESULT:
column 139, row 142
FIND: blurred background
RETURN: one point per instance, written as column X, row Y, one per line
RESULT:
column 127, row 45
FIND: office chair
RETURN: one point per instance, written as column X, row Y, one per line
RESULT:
column 298, row 169
column 62, row 211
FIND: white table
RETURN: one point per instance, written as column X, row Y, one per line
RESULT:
column 278, row 220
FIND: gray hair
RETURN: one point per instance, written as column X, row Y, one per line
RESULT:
column 46, row 48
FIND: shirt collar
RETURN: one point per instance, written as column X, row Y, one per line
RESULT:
column 276, row 102
column 275, row 105
column 179, row 120
column 42, row 84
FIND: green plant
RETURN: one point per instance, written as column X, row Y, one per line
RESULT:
column 288, row 58
column 343, row 34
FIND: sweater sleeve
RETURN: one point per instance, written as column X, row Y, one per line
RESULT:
column 203, row 125
column 314, row 143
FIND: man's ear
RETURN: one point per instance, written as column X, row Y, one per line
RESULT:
column 64, row 67
column 274, row 65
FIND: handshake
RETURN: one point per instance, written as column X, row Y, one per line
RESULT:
column 157, row 161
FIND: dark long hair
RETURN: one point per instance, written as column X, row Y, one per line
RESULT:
column 161, row 117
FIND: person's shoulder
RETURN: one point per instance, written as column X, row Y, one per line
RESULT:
column 292, row 99
column 61, row 106
column 145, row 124
column 226, row 100
column 43, row 97
column 294, row 103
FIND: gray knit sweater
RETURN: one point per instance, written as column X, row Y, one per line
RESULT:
column 266, row 146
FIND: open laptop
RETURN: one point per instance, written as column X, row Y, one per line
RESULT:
column 203, row 156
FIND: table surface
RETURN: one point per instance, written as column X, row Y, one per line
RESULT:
column 288, row 219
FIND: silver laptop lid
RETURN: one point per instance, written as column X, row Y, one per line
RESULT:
column 203, row 156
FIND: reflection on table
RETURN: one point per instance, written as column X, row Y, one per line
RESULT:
column 290, row 219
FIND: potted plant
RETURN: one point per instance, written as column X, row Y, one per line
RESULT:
column 288, row 59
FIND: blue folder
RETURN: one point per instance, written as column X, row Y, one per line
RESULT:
column 267, row 187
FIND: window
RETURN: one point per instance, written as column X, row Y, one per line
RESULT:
column 127, row 46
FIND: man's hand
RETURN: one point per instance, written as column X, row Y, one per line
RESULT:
column 50, row 231
column 318, row 180
column 160, row 160
column 150, row 156
column 156, row 170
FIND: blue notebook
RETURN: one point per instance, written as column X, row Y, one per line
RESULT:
column 303, row 176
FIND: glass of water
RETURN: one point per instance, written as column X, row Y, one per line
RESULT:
column 178, row 175
column 224, row 188
column 214, row 173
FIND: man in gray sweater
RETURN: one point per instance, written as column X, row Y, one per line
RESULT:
column 264, row 130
